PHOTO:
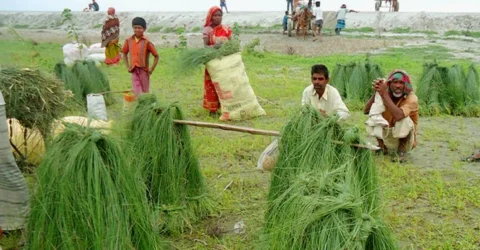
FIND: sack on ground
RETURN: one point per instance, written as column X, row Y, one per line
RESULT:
column 29, row 142
column 268, row 159
column 237, row 99
column 96, row 107
column 99, row 57
column 75, row 52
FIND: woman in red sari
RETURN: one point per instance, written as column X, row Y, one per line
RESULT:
column 214, row 35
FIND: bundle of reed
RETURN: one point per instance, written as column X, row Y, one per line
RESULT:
column 163, row 151
column 88, row 197
column 324, row 194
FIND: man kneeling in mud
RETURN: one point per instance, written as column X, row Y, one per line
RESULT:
column 401, row 113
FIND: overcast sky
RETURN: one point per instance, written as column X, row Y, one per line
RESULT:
column 233, row 5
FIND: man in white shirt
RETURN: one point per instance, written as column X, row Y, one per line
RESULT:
column 318, row 13
column 323, row 96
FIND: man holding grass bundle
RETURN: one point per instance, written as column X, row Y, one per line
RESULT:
column 401, row 113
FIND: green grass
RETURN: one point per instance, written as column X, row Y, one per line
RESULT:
column 97, row 26
column 169, row 30
column 361, row 30
column 21, row 26
column 155, row 29
column 409, row 30
column 427, row 206
column 196, row 29
column 474, row 34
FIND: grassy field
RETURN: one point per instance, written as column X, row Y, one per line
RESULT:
column 433, row 202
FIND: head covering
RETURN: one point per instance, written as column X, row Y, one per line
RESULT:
column 343, row 6
column 211, row 12
column 111, row 11
column 401, row 75
column 139, row 21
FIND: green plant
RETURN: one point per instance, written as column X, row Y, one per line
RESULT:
column 67, row 18
column 96, row 26
column 236, row 30
column 250, row 48
column 196, row 29
column 182, row 39
column 20, row 26
column 169, row 30
column 155, row 29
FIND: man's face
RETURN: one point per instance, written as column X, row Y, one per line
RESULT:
column 138, row 30
column 397, row 87
column 319, row 81
column 217, row 18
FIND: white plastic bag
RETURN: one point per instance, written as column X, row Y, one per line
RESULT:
column 75, row 51
column 96, row 57
column 268, row 159
column 96, row 107
column 95, row 46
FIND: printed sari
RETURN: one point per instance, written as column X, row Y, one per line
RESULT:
column 110, row 35
column 217, row 35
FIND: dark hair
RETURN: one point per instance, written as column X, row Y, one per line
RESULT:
column 286, row 12
column 139, row 21
column 320, row 69
column 293, row 13
column 317, row 3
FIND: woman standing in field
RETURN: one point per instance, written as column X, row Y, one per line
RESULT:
column 214, row 35
column 110, row 35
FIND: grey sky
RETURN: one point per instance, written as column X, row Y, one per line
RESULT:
column 233, row 5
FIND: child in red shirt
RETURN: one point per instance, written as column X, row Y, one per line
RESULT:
column 140, row 49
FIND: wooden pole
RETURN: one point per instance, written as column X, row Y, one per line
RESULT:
column 229, row 127
column 113, row 92
column 254, row 131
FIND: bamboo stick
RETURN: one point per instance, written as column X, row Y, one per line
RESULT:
column 255, row 131
column 113, row 92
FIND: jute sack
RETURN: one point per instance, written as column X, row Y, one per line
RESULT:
column 30, row 143
column 237, row 99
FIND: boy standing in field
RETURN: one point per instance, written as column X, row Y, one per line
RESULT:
column 140, row 49
column 285, row 22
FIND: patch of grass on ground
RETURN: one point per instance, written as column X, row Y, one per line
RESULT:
column 428, row 207
column 474, row 34
column 97, row 26
column 409, row 30
column 169, row 30
column 21, row 26
column 361, row 30
column 155, row 29
column 196, row 29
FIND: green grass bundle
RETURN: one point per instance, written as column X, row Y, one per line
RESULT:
column 70, row 80
column 192, row 58
column 323, row 194
column 101, row 79
column 163, row 151
column 443, row 90
column 84, row 78
column 88, row 197
column 33, row 97
column 354, row 82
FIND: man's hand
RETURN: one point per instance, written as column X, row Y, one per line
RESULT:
column 380, row 86
column 150, row 71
